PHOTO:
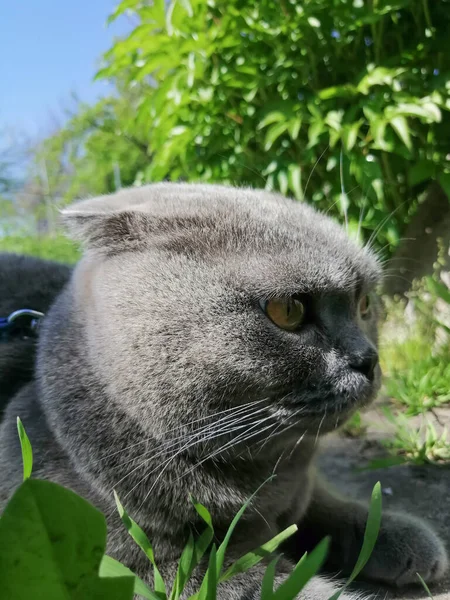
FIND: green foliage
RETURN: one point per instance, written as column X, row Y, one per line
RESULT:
column 27, row 452
column 370, row 536
column 409, row 443
column 142, row 541
column 425, row 587
column 344, row 103
column 355, row 426
column 416, row 367
column 52, row 542
column 52, row 545
column 423, row 384
column 57, row 248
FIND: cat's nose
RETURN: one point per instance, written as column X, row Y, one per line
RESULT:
column 365, row 363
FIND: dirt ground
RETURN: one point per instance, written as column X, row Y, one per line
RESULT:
column 422, row 491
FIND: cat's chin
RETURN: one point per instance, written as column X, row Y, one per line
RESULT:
column 325, row 414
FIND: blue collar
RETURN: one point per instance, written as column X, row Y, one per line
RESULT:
column 22, row 324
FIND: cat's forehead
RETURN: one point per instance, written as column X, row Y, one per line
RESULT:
column 265, row 239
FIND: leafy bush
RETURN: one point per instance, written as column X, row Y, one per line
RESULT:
column 345, row 103
column 52, row 545
column 57, row 248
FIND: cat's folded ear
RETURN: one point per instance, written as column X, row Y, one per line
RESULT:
column 111, row 231
column 106, row 225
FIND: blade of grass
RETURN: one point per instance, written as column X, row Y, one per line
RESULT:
column 143, row 542
column 252, row 558
column 203, row 541
column 109, row 567
column 184, row 570
column 220, row 554
column 306, row 568
column 27, row 451
column 193, row 552
column 425, row 587
column 268, row 580
column 223, row 546
column 370, row 536
column 208, row 589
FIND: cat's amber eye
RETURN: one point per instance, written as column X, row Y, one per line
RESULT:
column 287, row 313
column 364, row 306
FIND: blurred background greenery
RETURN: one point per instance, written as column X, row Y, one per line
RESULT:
column 340, row 103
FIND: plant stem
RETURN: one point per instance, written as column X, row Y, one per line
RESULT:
column 426, row 12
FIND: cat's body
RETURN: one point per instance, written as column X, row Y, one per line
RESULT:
column 25, row 282
column 160, row 376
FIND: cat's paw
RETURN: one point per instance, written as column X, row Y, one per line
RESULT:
column 405, row 547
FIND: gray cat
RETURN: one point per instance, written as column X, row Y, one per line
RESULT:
column 206, row 340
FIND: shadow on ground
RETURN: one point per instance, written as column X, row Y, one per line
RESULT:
column 421, row 491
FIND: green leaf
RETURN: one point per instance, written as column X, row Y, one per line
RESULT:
column 334, row 119
column 307, row 567
column 378, row 76
column 350, row 134
column 283, row 182
column 143, row 542
column 425, row 587
column 273, row 117
column 53, row 542
column 184, row 570
column 187, row 7
column 251, row 559
column 315, row 130
column 294, row 128
column 110, row 567
column 438, row 289
column 273, row 133
column 268, row 580
column 169, row 14
column 338, row 91
column 444, row 180
column 223, row 546
column 209, row 590
column 314, row 22
column 203, row 541
column 27, row 451
column 383, row 463
column 426, row 110
column 370, row 537
column 400, row 126
column 421, row 171
column 295, row 180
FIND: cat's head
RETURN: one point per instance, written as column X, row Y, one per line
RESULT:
column 226, row 307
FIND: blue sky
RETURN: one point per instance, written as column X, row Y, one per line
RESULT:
column 49, row 48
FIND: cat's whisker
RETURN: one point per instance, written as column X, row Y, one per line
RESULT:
column 240, row 439
column 343, row 194
column 276, row 432
column 229, row 444
column 297, row 443
column 232, row 427
column 234, row 410
column 198, row 436
column 391, row 276
column 377, row 230
column 361, row 218
column 312, row 171
column 165, row 464
column 319, row 428
column 378, row 252
column 269, row 437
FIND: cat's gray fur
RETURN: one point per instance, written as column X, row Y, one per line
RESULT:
column 160, row 329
